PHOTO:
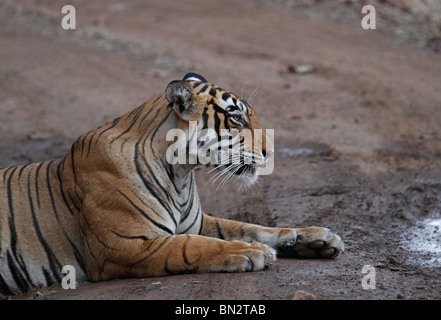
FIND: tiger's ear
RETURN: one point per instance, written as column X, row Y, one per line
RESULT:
column 191, row 76
column 183, row 101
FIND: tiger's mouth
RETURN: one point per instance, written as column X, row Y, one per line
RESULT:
column 244, row 173
column 244, row 169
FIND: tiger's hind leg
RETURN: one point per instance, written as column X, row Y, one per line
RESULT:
column 310, row 242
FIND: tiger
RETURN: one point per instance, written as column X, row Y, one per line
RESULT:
column 114, row 207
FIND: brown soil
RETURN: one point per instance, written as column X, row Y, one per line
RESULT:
column 358, row 139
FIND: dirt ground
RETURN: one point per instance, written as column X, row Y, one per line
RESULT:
column 358, row 139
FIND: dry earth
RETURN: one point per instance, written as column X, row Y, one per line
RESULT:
column 358, row 139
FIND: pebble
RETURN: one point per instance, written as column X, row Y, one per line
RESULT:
column 303, row 295
column 304, row 68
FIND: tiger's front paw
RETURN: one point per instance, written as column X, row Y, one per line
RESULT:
column 249, row 257
column 314, row 242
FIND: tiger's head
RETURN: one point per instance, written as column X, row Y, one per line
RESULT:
column 222, row 129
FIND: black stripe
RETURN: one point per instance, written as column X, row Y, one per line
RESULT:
column 127, row 130
column 129, row 237
column 189, row 202
column 191, row 185
column 73, row 201
column 136, row 110
column 17, row 275
column 225, row 96
column 219, row 231
column 83, row 143
column 51, row 196
column 139, row 110
column 251, row 263
column 114, row 123
column 5, row 173
column 205, row 87
column 23, row 267
column 147, row 114
column 165, row 239
column 11, row 218
column 49, row 280
column 105, row 245
column 218, row 108
column 90, row 143
column 62, row 191
column 21, row 171
column 167, row 269
column 217, row 125
column 146, row 249
column 54, row 265
column 77, row 253
column 205, row 118
column 170, row 173
column 79, row 199
column 87, row 241
column 4, row 288
column 156, row 99
column 194, row 221
column 202, row 224
column 184, row 252
column 197, row 84
column 72, row 158
column 37, row 193
column 226, row 125
column 231, row 108
column 145, row 215
column 146, row 205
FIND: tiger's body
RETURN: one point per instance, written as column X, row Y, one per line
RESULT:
column 115, row 208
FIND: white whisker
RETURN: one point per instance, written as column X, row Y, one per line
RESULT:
column 218, row 175
column 254, row 93
column 243, row 88
column 228, row 176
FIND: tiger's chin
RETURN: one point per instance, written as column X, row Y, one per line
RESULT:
column 246, row 174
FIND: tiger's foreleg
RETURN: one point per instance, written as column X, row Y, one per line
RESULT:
column 309, row 242
column 183, row 254
column 223, row 246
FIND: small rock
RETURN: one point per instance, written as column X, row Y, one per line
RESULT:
column 303, row 295
column 304, row 68
column 39, row 135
